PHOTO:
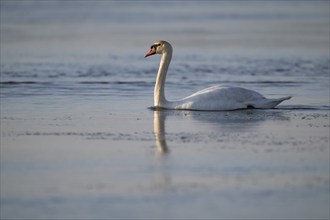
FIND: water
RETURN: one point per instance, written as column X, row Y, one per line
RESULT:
column 78, row 139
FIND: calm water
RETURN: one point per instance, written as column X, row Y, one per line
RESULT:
column 78, row 139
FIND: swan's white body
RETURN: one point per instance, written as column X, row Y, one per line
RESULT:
column 210, row 99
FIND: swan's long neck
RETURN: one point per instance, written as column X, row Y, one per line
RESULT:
column 159, row 92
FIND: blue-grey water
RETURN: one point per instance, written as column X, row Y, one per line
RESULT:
column 78, row 140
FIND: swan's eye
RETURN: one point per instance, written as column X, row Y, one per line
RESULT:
column 154, row 47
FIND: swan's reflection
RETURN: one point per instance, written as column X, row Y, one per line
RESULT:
column 162, row 177
column 159, row 130
column 214, row 122
column 196, row 123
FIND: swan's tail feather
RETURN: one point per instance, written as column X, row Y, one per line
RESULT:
column 268, row 103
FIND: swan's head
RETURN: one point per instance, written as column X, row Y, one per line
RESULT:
column 159, row 47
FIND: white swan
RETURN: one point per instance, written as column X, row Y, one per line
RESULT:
column 212, row 98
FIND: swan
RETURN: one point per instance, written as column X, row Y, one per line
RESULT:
column 214, row 98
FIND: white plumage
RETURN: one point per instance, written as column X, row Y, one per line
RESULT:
column 209, row 99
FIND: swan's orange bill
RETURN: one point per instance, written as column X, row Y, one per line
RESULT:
column 151, row 52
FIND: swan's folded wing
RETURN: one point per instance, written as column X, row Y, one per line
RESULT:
column 219, row 98
column 226, row 98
